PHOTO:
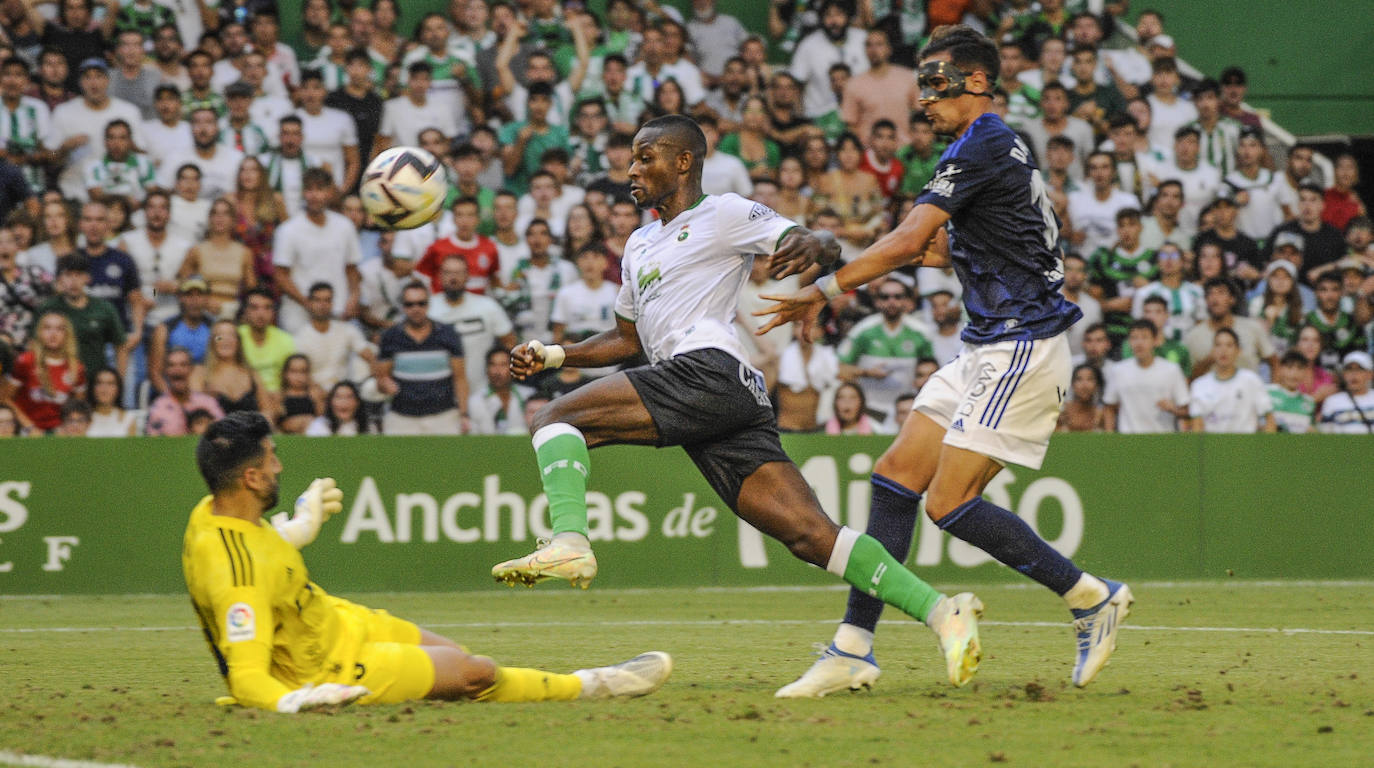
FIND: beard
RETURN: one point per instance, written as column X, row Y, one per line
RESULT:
column 270, row 498
column 836, row 34
column 453, row 294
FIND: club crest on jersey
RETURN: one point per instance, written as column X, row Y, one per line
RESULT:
column 943, row 182
column 761, row 211
column 241, row 623
column 684, row 234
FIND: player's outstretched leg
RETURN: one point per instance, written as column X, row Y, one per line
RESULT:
column 606, row 411
column 848, row 662
column 1098, row 606
column 459, row 675
column 776, row 500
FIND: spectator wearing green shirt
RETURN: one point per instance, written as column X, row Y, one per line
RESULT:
column 96, row 321
column 1340, row 332
column 265, row 346
column 523, row 143
column 1293, row 409
column 920, row 156
column 761, row 155
column 883, row 349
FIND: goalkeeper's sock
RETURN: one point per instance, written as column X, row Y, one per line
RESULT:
column 520, row 684
column 863, row 562
column 564, row 466
column 892, row 511
column 1006, row 537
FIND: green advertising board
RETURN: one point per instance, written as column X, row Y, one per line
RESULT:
column 98, row 516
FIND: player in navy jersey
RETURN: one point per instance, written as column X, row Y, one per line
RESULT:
column 986, row 211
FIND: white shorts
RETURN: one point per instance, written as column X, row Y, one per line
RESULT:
column 1001, row 400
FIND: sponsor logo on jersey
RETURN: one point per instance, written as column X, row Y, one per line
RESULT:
column 647, row 277
column 943, row 182
column 958, row 425
column 241, row 623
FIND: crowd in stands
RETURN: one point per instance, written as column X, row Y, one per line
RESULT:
column 180, row 235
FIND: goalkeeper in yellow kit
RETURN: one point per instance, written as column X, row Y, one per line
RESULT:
column 283, row 643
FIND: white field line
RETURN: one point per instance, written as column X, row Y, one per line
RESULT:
column 42, row 761
column 723, row 623
column 1135, row 585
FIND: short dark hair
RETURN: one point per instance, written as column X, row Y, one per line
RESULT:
column 74, row 262
column 1313, row 188
column 1155, row 298
column 356, row 53
column 1054, row 85
column 968, row 49
column 683, row 131
column 166, row 89
column 1224, row 331
column 539, row 89
column 1121, row 121
column 466, row 200
column 1143, row 325
column 1293, row 357
column 312, row 74
column 1327, row 277
column 1207, row 85
column 1061, row 141
column 319, row 286
column 1127, row 213
column 315, row 178
column 291, row 119
column 1164, row 64
column 883, row 123
column 420, row 67
column 1220, row 281
column 228, row 445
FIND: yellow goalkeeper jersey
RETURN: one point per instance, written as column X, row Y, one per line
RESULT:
column 269, row 627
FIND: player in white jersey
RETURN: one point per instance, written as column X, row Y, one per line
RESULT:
column 682, row 277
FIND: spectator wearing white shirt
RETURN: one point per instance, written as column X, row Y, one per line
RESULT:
column 190, row 213
column 498, row 408
column 330, row 134
column 715, row 36
column 1145, row 394
column 721, row 172
column 478, row 320
column 237, row 128
column 316, row 245
column 834, row 42
column 1055, row 120
column 286, row 167
column 1075, row 280
column 167, row 133
column 158, row 252
column 337, row 349
column 1351, row 412
column 404, row 117
column 1228, row 399
column 382, row 282
column 1260, row 211
column 1200, row 182
column 78, row 124
column 1168, row 111
column 25, row 123
column 539, row 68
column 281, row 59
column 169, row 52
column 218, row 164
column 1093, row 208
column 586, row 307
column 658, row 63
column 1164, row 224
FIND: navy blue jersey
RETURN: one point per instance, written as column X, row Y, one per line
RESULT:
column 1003, row 236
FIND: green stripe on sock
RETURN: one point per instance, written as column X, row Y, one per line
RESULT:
column 564, row 467
column 872, row 570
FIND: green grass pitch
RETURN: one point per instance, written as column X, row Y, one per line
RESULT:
column 1210, row 674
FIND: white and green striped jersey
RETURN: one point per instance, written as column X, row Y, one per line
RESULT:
column 284, row 175
column 129, row 177
column 27, row 128
column 871, row 344
column 251, row 139
column 1219, row 144
column 442, row 79
column 1292, row 410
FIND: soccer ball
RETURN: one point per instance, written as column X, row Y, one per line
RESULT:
column 404, row 187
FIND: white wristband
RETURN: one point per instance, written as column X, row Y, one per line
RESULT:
column 830, row 286
column 551, row 354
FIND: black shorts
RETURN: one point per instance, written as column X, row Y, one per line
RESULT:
column 717, row 409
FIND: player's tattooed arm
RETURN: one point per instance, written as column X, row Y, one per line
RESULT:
column 611, row 347
column 801, row 249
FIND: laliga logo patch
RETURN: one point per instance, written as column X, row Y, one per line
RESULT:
column 761, row 211
column 241, row 622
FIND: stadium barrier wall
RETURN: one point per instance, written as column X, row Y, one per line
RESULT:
column 98, row 516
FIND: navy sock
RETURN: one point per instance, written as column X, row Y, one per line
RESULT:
column 1006, row 537
column 892, row 510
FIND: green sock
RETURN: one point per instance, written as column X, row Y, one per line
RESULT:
column 868, row 567
column 564, row 467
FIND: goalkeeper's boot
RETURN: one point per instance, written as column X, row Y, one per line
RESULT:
column 639, row 676
column 955, row 621
column 834, row 671
column 552, row 560
column 1096, row 630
